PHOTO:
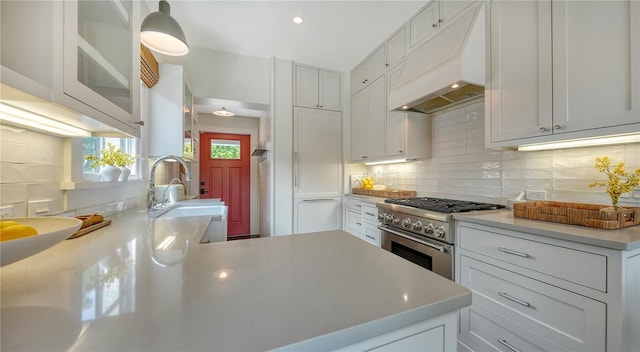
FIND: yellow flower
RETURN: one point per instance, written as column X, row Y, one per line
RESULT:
column 111, row 156
column 619, row 182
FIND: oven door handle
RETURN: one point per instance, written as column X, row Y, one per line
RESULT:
column 440, row 248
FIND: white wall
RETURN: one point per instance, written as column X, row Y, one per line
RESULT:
column 461, row 168
column 222, row 75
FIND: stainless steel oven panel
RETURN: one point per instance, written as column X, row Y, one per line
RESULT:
column 441, row 253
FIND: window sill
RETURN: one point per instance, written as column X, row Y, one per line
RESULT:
column 67, row 186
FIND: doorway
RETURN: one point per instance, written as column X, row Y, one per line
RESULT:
column 225, row 173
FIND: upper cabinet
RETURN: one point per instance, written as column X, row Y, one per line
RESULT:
column 436, row 14
column 81, row 55
column 396, row 47
column 317, row 89
column 172, row 122
column 368, row 114
column 369, row 70
column 557, row 79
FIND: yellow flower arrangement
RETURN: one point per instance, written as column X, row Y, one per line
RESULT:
column 111, row 156
column 619, row 182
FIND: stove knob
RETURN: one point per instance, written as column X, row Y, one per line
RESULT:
column 429, row 229
column 381, row 217
column 396, row 221
column 417, row 226
column 440, row 231
column 388, row 217
column 406, row 223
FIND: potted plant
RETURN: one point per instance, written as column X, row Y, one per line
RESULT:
column 112, row 161
column 619, row 181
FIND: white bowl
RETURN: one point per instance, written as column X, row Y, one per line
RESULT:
column 51, row 230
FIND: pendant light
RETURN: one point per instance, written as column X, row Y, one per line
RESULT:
column 160, row 32
column 223, row 112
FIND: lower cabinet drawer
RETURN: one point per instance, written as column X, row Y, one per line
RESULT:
column 371, row 234
column 565, row 318
column 370, row 213
column 538, row 256
column 354, row 204
column 484, row 333
column 354, row 223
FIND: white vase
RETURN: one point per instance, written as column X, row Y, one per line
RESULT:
column 124, row 173
column 109, row 173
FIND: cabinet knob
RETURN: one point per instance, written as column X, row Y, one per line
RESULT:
column 141, row 123
column 434, row 25
column 544, row 129
column 321, row 106
column 317, row 106
column 400, row 151
column 365, row 81
column 557, row 127
column 441, row 20
column 386, row 65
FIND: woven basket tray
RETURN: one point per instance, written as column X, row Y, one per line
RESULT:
column 387, row 193
column 588, row 215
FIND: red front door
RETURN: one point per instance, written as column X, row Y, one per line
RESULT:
column 225, row 173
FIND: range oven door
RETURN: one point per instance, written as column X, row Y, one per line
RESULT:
column 432, row 255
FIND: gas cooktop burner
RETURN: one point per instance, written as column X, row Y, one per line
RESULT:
column 443, row 205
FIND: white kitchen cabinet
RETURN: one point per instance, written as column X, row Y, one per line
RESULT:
column 369, row 70
column 407, row 135
column 434, row 15
column 536, row 293
column 396, row 47
column 317, row 150
column 368, row 114
column 437, row 334
column 316, row 214
column 353, row 216
column 318, row 89
column 591, row 93
column 80, row 55
column 171, row 119
column 371, row 232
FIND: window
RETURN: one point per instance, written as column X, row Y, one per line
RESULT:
column 93, row 145
column 225, row 149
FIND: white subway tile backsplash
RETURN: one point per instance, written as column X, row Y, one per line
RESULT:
column 12, row 152
column 43, row 173
column 13, row 172
column 13, row 193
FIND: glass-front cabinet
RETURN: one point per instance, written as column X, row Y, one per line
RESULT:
column 188, row 149
column 101, row 57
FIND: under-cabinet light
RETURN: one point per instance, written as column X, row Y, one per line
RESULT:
column 30, row 120
column 587, row 142
column 393, row 161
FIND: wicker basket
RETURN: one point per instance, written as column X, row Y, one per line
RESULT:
column 588, row 215
column 387, row 193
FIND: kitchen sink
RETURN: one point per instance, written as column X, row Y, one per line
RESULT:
column 216, row 211
column 192, row 207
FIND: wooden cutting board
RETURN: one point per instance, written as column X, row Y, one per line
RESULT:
column 88, row 229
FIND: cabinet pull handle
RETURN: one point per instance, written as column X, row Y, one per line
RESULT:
column 359, row 223
column 508, row 345
column 434, row 25
column 370, row 214
column 358, row 205
column 441, row 20
column 400, row 151
column 557, row 127
column 513, row 299
column 295, row 169
column 544, row 129
column 364, row 157
column 367, row 236
column 511, row 251
column 319, row 200
column 141, row 123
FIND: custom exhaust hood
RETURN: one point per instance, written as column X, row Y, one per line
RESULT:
column 445, row 70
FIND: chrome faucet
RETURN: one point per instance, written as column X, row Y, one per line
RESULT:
column 152, row 202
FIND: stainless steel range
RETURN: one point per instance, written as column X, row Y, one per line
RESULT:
column 421, row 229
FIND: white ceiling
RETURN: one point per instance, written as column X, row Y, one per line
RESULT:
column 335, row 34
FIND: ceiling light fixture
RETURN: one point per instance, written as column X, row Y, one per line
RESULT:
column 33, row 121
column 162, row 33
column 455, row 85
column 298, row 20
column 223, row 112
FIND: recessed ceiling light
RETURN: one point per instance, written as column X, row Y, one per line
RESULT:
column 298, row 20
column 455, row 85
column 405, row 107
column 223, row 112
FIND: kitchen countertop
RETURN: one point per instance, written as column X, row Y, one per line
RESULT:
column 365, row 198
column 623, row 239
column 126, row 287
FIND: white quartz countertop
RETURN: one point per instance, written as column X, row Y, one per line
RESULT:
column 127, row 287
column 622, row 239
column 366, row 199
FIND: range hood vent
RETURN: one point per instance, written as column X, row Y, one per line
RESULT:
column 445, row 70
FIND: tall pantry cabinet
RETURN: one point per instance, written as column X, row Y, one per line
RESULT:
column 317, row 159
